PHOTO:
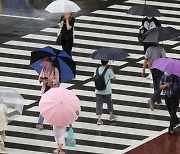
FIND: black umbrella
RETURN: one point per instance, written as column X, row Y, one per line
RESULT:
column 160, row 34
column 144, row 10
column 109, row 54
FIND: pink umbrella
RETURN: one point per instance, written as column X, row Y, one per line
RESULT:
column 58, row 106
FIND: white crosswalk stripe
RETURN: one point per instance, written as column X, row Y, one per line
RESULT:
column 110, row 27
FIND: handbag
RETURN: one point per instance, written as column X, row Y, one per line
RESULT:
column 70, row 140
column 59, row 37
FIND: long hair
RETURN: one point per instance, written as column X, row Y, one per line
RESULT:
column 70, row 18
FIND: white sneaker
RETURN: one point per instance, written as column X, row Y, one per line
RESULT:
column 149, row 77
column 151, row 104
column 100, row 122
column 55, row 152
column 113, row 118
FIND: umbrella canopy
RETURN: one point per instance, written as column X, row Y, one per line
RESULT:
column 168, row 65
column 109, row 54
column 62, row 6
column 64, row 63
column 58, row 106
column 13, row 102
column 160, row 34
column 144, row 10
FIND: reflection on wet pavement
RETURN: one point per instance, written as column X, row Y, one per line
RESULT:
column 36, row 8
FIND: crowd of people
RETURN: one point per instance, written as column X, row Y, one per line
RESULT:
column 49, row 78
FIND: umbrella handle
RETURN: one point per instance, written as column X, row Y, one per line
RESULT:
column 145, row 2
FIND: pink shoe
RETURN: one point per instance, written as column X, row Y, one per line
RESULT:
column 39, row 126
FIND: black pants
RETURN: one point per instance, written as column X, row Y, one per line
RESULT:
column 172, row 104
column 67, row 46
column 157, row 75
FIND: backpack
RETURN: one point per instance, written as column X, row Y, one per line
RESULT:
column 99, row 79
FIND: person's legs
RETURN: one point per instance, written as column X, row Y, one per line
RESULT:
column 110, row 108
column 68, row 46
column 174, row 102
column 99, row 107
column 63, row 44
column 59, row 149
column 40, row 122
column 40, row 119
column 3, row 136
column 157, row 75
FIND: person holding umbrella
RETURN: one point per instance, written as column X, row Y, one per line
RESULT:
column 53, row 66
column 60, row 107
column 65, row 34
column 11, row 105
column 170, row 84
column 103, row 76
column 67, row 29
column 49, row 77
column 148, row 23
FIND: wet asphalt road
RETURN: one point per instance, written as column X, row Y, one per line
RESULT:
column 13, row 28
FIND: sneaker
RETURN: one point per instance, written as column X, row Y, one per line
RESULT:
column 2, row 145
column 151, row 104
column 149, row 77
column 113, row 118
column 100, row 122
column 170, row 131
column 177, row 125
column 39, row 126
column 55, row 152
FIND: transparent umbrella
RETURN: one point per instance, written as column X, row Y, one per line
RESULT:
column 13, row 102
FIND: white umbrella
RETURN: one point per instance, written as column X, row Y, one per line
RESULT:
column 13, row 102
column 62, row 6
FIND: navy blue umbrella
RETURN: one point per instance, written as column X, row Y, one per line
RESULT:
column 64, row 63
column 109, row 54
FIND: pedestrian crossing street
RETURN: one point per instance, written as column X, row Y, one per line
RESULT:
column 111, row 27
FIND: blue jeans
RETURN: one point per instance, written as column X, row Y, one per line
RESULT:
column 157, row 75
column 40, row 119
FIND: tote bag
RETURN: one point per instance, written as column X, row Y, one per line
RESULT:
column 59, row 37
column 70, row 140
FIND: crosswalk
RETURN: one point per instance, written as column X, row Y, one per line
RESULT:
column 110, row 27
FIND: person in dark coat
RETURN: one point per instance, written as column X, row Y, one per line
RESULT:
column 67, row 24
column 148, row 23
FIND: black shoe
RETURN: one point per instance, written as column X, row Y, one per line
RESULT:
column 177, row 125
column 170, row 131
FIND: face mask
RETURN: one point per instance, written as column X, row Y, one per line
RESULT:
column 149, row 18
column 168, row 74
